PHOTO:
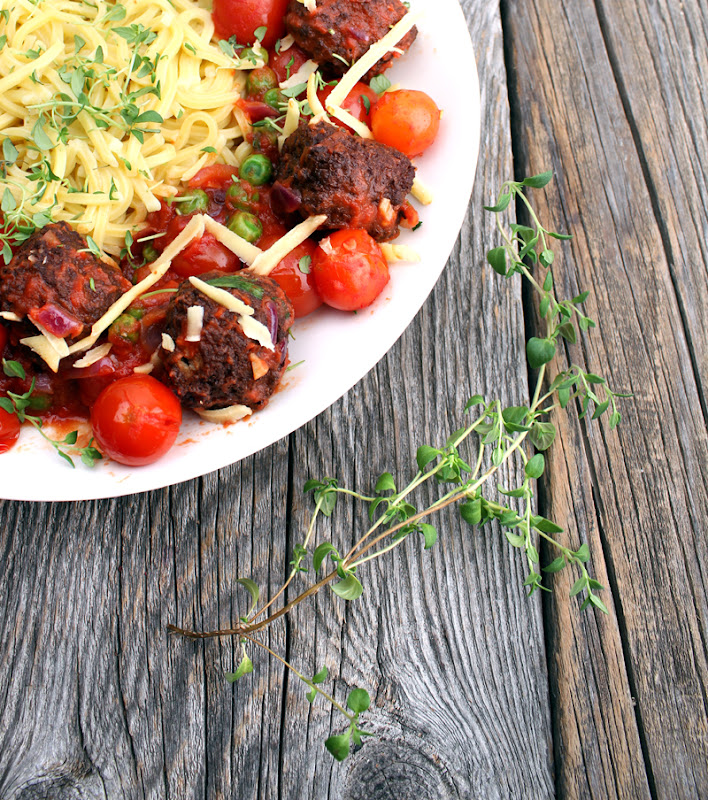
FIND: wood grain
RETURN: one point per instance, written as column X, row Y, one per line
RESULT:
column 99, row 702
column 649, row 499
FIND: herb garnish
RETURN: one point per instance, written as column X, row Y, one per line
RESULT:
column 497, row 434
column 19, row 403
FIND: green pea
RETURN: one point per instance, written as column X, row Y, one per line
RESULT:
column 125, row 327
column 245, row 225
column 197, row 200
column 256, row 169
column 260, row 80
column 275, row 99
column 239, row 196
column 149, row 253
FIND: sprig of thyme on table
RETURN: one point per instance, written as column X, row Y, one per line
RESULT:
column 495, row 436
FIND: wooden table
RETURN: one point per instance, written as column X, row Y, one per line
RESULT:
column 477, row 691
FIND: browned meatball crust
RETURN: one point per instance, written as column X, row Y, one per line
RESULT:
column 357, row 183
column 339, row 32
column 225, row 367
column 56, row 281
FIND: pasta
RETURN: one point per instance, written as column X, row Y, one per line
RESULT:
column 106, row 107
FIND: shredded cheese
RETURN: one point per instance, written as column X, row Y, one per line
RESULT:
column 348, row 119
column 221, row 415
column 10, row 316
column 270, row 258
column 301, row 76
column 94, row 355
column 168, row 343
column 222, row 297
column 42, row 347
column 195, row 321
column 377, row 50
column 399, row 252
column 421, row 192
column 244, row 250
column 313, row 100
column 292, row 120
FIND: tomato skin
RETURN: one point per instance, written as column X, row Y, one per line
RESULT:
column 297, row 285
column 9, row 430
column 136, row 420
column 351, row 272
column 353, row 103
column 240, row 18
column 214, row 176
column 405, row 119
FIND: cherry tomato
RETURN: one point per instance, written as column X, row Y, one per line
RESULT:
column 350, row 270
column 241, row 18
column 9, row 430
column 358, row 103
column 405, row 119
column 287, row 62
column 294, row 274
column 136, row 420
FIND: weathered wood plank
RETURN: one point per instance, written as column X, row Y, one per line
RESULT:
column 436, row 636
column 666, row 104
column 649, row 501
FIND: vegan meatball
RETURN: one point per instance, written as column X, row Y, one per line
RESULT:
column 357, row 183
column 56, row 281
column 225, row 367
column 338, row 32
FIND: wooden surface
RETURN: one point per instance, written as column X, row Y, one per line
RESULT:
column 477, row 692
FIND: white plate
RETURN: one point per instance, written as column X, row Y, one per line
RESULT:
column 338, row 349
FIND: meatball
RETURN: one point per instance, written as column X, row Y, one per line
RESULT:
column 226, row 367
column 57, row 282
column 357, row 183
column 338, row 32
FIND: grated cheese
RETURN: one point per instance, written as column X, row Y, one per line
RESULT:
column 168, row 343
column 195, row 322
column 292, row 120
column 270, row 259
column 348, row 119
column 93, row 355
column 301, row 76
column 421, row 192
column 313, row 100
column 220, row 415
column 41, row 346
column 399, row 252
column 246, row 251
column 10, row 316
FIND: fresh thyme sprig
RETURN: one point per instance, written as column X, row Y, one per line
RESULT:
column 18, row 404
column 498, row 434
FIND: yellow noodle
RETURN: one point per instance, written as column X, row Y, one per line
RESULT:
column 97, row 174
